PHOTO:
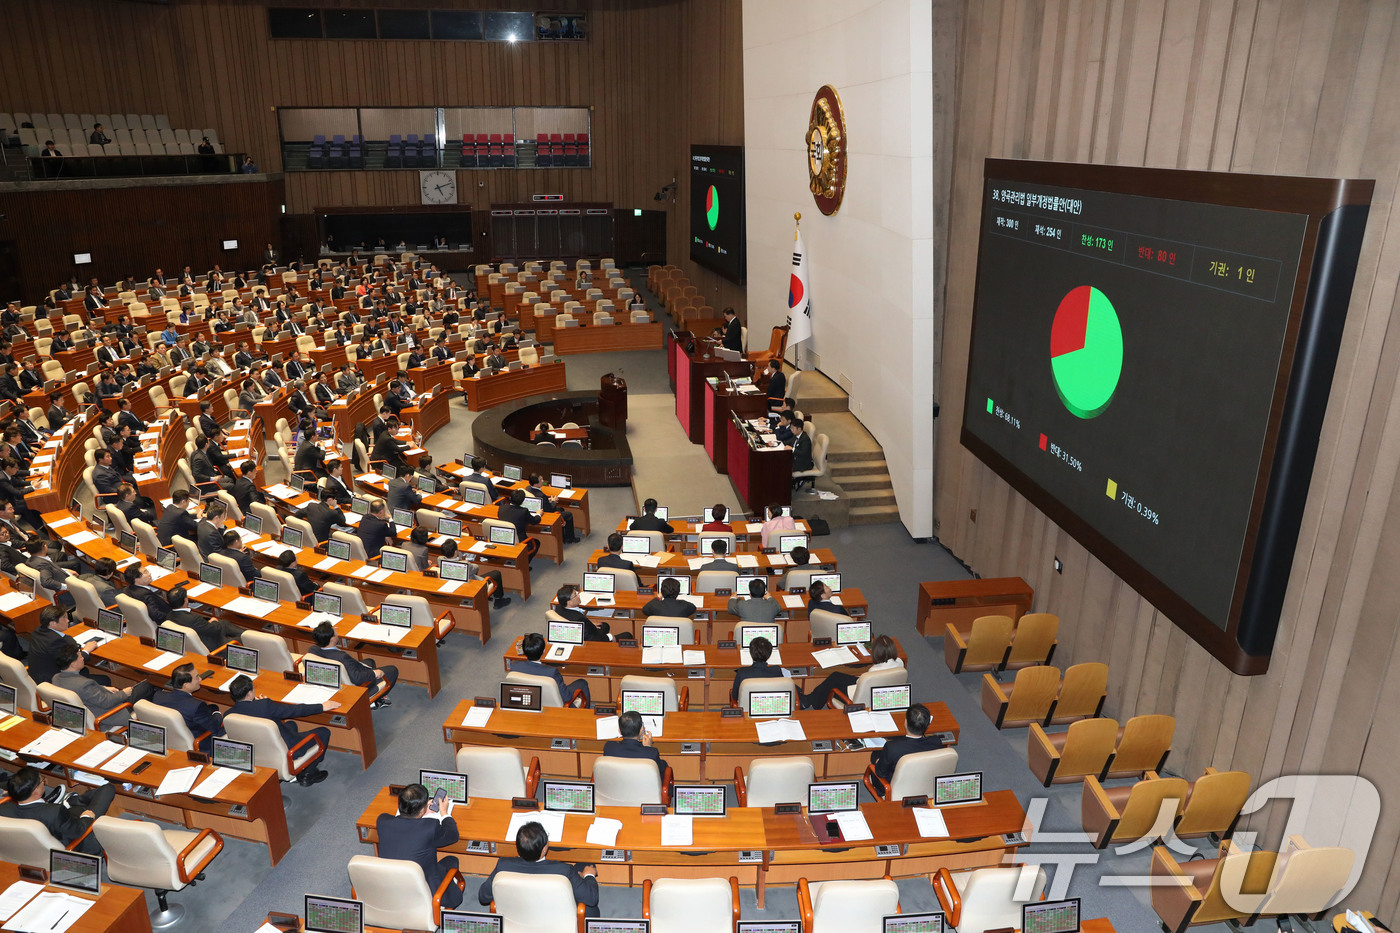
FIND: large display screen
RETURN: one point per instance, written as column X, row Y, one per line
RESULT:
column 1150, row 360
column 717, row 209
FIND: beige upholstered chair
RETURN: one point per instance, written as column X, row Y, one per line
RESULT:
column 141, row 854
column 536, row 903
column 772, row 781
column 845, row 906
column 270, row 749
column 627, row 782
column 913, row 774
column 988, row 898
column 496, row 773
column 395, row 893
column 691, row 905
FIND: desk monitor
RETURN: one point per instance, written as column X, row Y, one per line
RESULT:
column 253, row 523
column 397, row 616
column 611, row 925
column 23, row 584
column 241, row 659
column 659, row 636
column 564, row 632
column 502, row 534
column 110, row 621
column 698, row 799
column 267, row 590
column 389, row 471
column 526, row 697
column 297, row 482
column 426, row 484
column 889, row 699
column 663, row 512
column 359, row 505
column 787, row 542
column 167, row 559
column 340, row 550
column 512, row 472
column 322, row 673
column 291, row 537
column 393, row 560
column 454, row 570
column 325, row 603
column 7, row 699
column 599, row 583
column 210, row 574
column 561, row 481
column 230, row 754
column 568, row 796
column 636, row 544
column 127, row 542
column 832, row 581
column 709, row 514
column 765, row 703
column 75, row 507
column 832, row 796
column 453, row 782
column 953, row 789
column 456, row 921
column 472, row 496
column 646, row 702
column 931, row 922
column 75, row 871
column 1051, row 916
column 773, row 633
column 532, row 505
column 167, row 639
column 706, row 541
column 768, row 926
column 147, row 737
column 451, row 527
column 741, row 585
column 402, row 517
column 681, row 578
column 853, row 633
column 334, row 915
column 68, row 716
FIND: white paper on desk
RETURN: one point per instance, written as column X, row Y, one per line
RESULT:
column 145, row 477
column 210, row 787
column 677, row 830
column 693, row 657
column 199, row 589
column 22, row 892
column 853, row 826
column 352, row 519
column 607, row 728
column 831, row 657
column 930, row 822
column 570, row 494
column 448, row 505
column 162, row 660
column 551, row 820
column 776, row 559
column 95, row 756
column 780, row 730
column 560, row 652
column 372, row 631
column 178, row 780
column 477, row 717
column 370, row 478
column 478, row 548
column 663, row 654
column 82, row 537
column 867, row 721
column 379, row 576
column 746, row 560
column 314, row 619
column 655, row 725
column 451, row 586
column 603, row 832
column 273, row 549
column 697, row 562
column 651, row 561
column 326, row 563
column 695, row 599
column 123, row 760
column 94, row 636
column 50, row 742
column 12, row 601
column 50, row 912
column 283, row 491
column 792, row 601
column 308, row 693
column 456, row 470
column 228, row 682
column 251, row 606
column 775, row 659
column 836, row 600
column 158, row 572
column 363, row 571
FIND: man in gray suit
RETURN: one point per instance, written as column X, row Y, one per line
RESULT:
column 95, row 696
column 718, row 549
column 759, row 607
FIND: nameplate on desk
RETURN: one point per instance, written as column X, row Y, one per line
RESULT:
column 524, row 803
column 148, row 641
column 293, row 676
column 915, row 800
column 395, row 789
column 822, row 643
column 33, row 873
column 724, row 592
column 787, row 808
column 645, row 591
column 481, row 847
column 561, row 744
column 822, row 745
column 488, row 702
column 597, row 670
column 731, row 712
column 614, row 855
column 947, row 738
column 214, row 661
column 197, row 758
column 690, row 748
column 728, row 644
column 653, row 809
column 627, row 642
column 853, row 708
column 605, row 711
column 43, row 719
column 288, row 923
column 893, row 851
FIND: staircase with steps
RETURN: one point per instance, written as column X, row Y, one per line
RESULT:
column 855, row 461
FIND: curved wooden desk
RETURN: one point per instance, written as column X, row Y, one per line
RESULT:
column 484, row 392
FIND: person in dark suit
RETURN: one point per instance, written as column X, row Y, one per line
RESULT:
column 213, row 632
column 322, row 516
column 551, row 504
column 125, row 416
column 669, row 602
column 58, row 415
column 531, row 844
column 568, row 603
column 415, row 834
column 305, row 585
column 66, row 822
column 817, row 598
column 375, row 529
column 733, row 331
column 760, row 650
column 206, row 423
column 719, row 548
column 916, row 721
column 105, row 476
column 388, row 448
column 245, row 491
column 93, row 301
column 777, row 384
column 532, row 646
column 614, row 556
column 635, row 741
column 648, row 521
column 801, row 447
column 201, row 465
column 177, row 519
column 324, row 392
column 515, row 512
column 201, row 717
column 131, row 507
column 402, row 495
column 139, row 588
column 100, row 699
column 233, row 549
column 46, row 641
column 784, row 432
column 362, row 673
column 209, row 536
column 246, row 703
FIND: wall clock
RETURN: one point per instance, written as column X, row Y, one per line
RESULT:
column 826, row 150
column 438, row 187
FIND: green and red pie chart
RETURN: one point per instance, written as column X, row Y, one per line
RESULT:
column 711, row 206
column 1086, row 351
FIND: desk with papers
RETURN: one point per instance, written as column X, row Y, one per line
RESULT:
column 27, row 906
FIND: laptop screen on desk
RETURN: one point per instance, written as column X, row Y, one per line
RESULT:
column 852, row 633
column 244, row 660
column 771, row 632
column 890, row 699
column 787, row 542
column 322, row 674
column 426, row 484
column 70, row 717
column 230, row 754
column 127, row 541
column 167, row 559
column 512, row 472
column 110, row 621
column 334, row 915
column 392, row 560
column 646, row 702
column 832, row 796
column 208, row 573
column 568, row 796
column 832, row 581
column 253, row 523
column 402, row 517
column 473, row 496
column 455, row 570
column 636, row 544
column 267, row 590
column 7, row 699
column 658, row 636
column 565, row 632
column 147, row 737
column 561, row 481
column 931, row 922
column 526, row 697
column 698, row 800
column 613, row 925
column 291, row 537
column 764, row 703
column 682, row 579
column 953, row 789
column 326, row 602
column 599, row 583
column 359, row 505
column 1051, row 916
column 451, row 781
column 167, row 639
column 75, row 871
column 533, row 506
column 398, row 616
column 452, row 527
column 456, row 921
column 501, row 535
column 768, row 926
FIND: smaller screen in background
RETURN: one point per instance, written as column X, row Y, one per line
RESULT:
column 717, row 209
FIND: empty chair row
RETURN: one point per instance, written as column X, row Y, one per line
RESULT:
column 85, row 121
column 1040, row 695
column 997, row 643
column 1098, row 747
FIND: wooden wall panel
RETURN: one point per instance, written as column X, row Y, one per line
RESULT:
column 1283, row 86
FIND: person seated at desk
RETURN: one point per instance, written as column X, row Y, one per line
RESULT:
column 212, row 631
column 568, row 601
column 234, row 550
column 514, row 511
column 885, row 655
column 247, row 703
column 324, row 392
column 531, row 846
column 46, row 641
column 58, row 415
column 51, row 575
column 66, row 822
column 100, row 699
column 102, row 578
column 784, row 432
column 415, row 834
column 801, row 449
column 206, row 423
column 362, row 673
column 375, row 529
column 322, row 515
column 287, row 561
column 614, row 556
column 9, row 382
column 718, row 513
column 402, row 494
column 914, row 739
column 387, row 447
column 635, row 741
column 131, row 506
column 760, row 650
column 669, row 602
column 758, row 607
column 776, row 520
column 719, row 547
column 138, row 587
column 199, row 716
column 348, row 380
column 178, row 518
column 245, row 491
column 818, row 598
column 648, row 521
column 800, row 557
column 777, row 384
column 10, row 556
column 498, row 590
column 209, row 536
column 532, row 646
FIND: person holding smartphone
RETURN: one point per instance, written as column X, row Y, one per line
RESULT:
column 408, row 836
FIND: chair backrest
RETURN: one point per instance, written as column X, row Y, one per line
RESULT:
column 1142, row 815
column 1032, row 694
column 273, row 653
column 665, row 684
column 1214, row 802
column 138, row 619
column 1308, row 880
column 188, row 553
column 800, row 576
column 50, row 691
column 420, row 613
column 13, row 674
column 85, row 595
column 1145, row 743
column 987, row 643
column 889, row 677
column 352, row 602
column 492, row 773
column 549, row 689
column 657, row 539
column 626, row 782
column 394, row 891
column 779, row 780
column 269, row 750
column 26, row 842
column 823, row 622
column 138, row 853
column 177, row 733
column 691, row 905
column 1088, row 744
column 233, row 576
column 115, row 518
column 685, row 627
column 230, row 503
column 1034, row 638
column 914, row 774
column 989, row 896
column 308, row 534
column 410, row 561
column 193, row 643
column 708, row 581
column 271, row 524
column 1082, row 693
column 357, row 547
column 844, row 906
column 767, row 685
column 287, row 589
column 529, row 356
column 535, row 903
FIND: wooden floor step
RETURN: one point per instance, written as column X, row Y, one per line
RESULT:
column 873, row 515
column 865, row 497
column 866, row 482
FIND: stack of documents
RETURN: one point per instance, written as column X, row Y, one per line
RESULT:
column 308, row 693
column 477, row 717
column 551, row 820
column 663, row 654
column 780, row 730
column 831, row 657
column 853, row 826
column 603, row 832
column 866, row 721
column 178, row 780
